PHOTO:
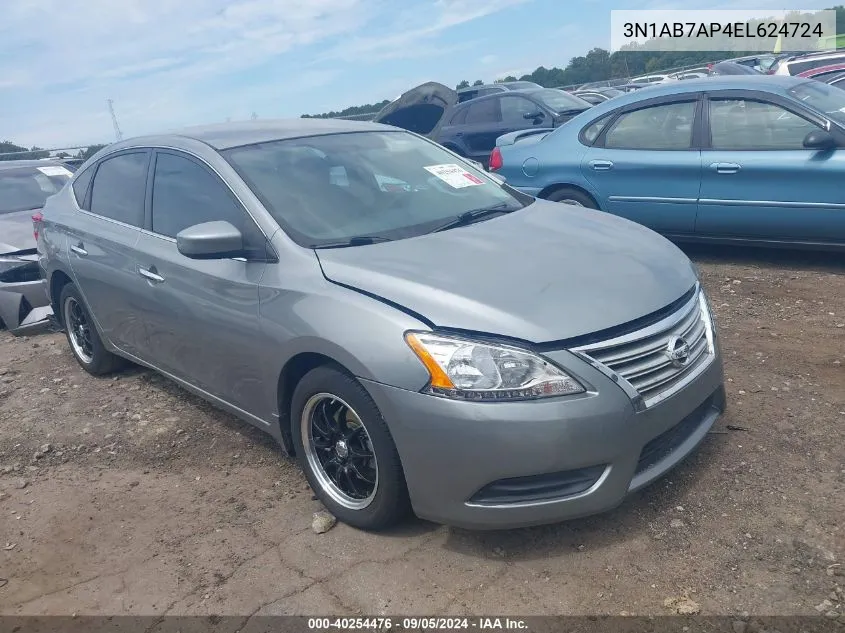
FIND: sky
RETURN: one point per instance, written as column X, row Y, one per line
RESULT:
column 173, row 63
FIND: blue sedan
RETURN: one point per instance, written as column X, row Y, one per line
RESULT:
column 723, row 159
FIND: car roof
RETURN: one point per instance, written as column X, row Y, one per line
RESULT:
column 482, row 86
column 777, row 84
column 223, row 136
column 17, row 164
column 767, row 83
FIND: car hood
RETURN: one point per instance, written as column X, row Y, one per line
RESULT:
column 420, row 110
column 546, row 273
column 16, row 231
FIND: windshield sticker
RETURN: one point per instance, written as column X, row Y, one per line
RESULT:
column 55, row 170
column 454, row 175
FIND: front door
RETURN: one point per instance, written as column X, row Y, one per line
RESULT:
column 201, row 315
column 102, row 248
column 759, row 181
column 483, row 126
column 646, row 167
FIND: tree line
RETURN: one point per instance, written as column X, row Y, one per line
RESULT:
column 19, row 152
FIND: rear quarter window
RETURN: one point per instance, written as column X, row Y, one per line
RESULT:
column 80, row 186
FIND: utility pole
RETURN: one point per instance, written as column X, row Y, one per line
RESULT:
column 118, row 134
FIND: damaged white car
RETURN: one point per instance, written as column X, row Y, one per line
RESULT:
column 24, row 188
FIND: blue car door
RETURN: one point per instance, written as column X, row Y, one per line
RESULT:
column 759, row 181
column 646, row 166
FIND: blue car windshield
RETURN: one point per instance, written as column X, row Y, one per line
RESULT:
column 382, row 185
column 822, row 97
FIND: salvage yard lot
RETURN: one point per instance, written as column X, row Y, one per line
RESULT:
column 128, row 495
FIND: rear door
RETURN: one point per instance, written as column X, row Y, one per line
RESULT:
column 646, row 164
column 758, row 180
column 201, row 315
column 102, row 242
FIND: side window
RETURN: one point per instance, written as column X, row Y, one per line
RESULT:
column 486, row 111
column 460, row 117
column 514, row 110
column 185, row 193
column 662, row 127
column 119, row 188
column 740, row 124
column 80, row 186
column 592, row 131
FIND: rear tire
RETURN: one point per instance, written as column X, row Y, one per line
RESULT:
column 82, row 335
column 569, row 195
column 346, row 450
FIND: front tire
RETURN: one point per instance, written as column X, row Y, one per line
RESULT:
column 346, row 450
column 85, row 342
column 569, row 195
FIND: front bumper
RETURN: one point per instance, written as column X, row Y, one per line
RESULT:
column 25, row 307
column 594, row 448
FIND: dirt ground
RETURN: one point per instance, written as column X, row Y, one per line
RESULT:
column 127, row 495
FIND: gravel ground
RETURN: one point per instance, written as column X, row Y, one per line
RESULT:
column 127, row 495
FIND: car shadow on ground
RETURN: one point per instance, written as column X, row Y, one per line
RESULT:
column 768, row 257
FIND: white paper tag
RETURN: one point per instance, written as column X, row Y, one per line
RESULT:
column 55, row 170
column 454, row 175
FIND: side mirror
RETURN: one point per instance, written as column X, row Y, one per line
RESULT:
column 819, row 139
column 533, row 115
column 210, row 240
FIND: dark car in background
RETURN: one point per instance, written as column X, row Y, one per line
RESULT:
column 473, row 92
column 471, row 128
column 25, row 186
column 733, row 68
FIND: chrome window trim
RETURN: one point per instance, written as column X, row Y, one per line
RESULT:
column 174, row 149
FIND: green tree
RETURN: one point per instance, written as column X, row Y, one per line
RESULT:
column 89, row 151
column 464, row 84
column 20, row 153
column 478, row 82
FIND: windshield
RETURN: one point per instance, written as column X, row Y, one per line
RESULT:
column 560, row 101
column 25, row 188
column 822, row 97
column 326, row 189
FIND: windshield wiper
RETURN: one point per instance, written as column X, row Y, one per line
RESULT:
column 358, row 240
column 470, row 217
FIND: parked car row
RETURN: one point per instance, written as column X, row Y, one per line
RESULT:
column 754, row 159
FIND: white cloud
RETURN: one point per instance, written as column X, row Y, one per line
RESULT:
column 167, row 63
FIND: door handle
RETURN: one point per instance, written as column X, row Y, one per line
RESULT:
column 725, row 168
column 78, row 249
column 151, row 275
column 601, row 165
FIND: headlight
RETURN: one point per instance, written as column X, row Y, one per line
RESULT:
column 709, row 328
column 472, row 370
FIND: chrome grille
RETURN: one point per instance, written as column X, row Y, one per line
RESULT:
column 642, row 358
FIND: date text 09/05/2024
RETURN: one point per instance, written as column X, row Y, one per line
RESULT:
column 417, row 624
column 714, row 29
